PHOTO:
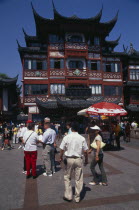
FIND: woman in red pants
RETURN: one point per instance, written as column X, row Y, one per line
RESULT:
column 30, row 140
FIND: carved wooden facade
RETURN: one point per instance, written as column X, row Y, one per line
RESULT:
column 70, row 55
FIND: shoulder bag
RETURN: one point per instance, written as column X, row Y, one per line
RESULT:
column 28, row 138
column 94, row 145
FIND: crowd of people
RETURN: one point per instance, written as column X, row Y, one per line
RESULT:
column 73, row 147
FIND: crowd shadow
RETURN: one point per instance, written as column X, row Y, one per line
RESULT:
column 40, row 168
column 112, row 148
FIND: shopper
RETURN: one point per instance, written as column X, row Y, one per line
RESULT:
column 97, row 159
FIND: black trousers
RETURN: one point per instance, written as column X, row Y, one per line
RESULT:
column 100, row 164
column 118, row 141
column 24, row 167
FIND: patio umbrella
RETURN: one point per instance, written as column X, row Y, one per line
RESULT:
column 82, row 112
column 107, row 109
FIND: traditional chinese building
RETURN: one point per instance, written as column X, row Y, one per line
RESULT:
column 69, row 65
column 131, row 82
column 8, row 98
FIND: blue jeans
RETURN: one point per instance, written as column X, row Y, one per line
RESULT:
column 92, row 167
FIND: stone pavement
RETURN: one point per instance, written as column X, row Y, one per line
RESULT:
column 122, row 193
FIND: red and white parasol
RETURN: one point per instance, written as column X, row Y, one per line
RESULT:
column 107, row 109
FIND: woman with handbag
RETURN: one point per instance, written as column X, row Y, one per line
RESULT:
column 97, row 158
column 30, row 140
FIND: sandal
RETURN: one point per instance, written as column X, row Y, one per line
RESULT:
column 93, row 183
column 105, row 184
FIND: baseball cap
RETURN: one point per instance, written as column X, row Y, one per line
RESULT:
column 29, row 121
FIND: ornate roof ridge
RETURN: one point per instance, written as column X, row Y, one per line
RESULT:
column 36, row 15
column 57, row 15
column 19, row 46
column 113, row 21
column 31, row 49
column 132, row 51
column 28, row 36
column 9, row 80
column 113, row 42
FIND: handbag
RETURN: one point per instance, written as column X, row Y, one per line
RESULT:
column 94, row 145
column 6, row 141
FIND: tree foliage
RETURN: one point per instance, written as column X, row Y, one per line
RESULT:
column 4, row 76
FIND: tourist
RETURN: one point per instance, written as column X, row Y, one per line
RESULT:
column 30, row 140
column 127, row 132
column 73, row 145
column 52, row 126
column 23, row 129
column 106, row 136
column 97, row 159
column 15, row 130
column 2, row 136
column 117, row 130
column 39, row 130
column 48, row 140
column 134, row 125
column 68, row 126
column 123, row 125
column 36, row 127
column 6, row 139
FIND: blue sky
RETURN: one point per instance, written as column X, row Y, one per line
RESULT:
column 15, row 14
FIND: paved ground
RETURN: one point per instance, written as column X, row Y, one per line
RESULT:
column 122, row 193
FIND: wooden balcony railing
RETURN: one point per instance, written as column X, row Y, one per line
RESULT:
column 56, row 46
column 57, row 72
column 77, row 72
column 112, row 75
column 32, row 98
column 76, row 46
column 134, row 101
column 95, row 74
column 76, row 53
column 95, row 48
column 35, row 73
column 114, row 99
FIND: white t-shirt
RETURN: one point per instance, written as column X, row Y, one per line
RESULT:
column 23, row 130
column 98, row 138
column 134, row 125
column 74, row 144
column 31, row 144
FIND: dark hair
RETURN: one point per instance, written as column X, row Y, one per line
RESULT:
column 75, row 126
column 92, row 123
column 31, row 126
column 68, row 124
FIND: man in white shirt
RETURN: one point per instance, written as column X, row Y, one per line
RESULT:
column 48, row 140
column 74, row 145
